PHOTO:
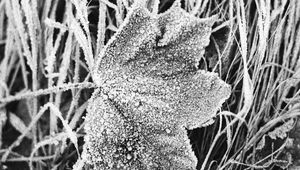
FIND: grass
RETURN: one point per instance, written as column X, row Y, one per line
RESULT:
column 47, row 51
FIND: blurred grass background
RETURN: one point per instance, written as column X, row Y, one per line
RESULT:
column 47, row 51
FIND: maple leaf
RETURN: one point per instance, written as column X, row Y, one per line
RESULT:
column 150, row 92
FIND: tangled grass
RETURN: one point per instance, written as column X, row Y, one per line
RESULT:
column 48, row 50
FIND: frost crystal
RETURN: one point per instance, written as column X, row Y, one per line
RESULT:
column 151, row 91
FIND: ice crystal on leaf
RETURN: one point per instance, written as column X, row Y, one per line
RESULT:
column 150, row 92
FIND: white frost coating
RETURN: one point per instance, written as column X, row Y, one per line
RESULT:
column 150, row 92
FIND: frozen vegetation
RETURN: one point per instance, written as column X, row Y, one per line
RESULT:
column 151, row 92
column 149, row 84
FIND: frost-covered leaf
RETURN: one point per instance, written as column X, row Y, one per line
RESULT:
column 117, row 142
column 189, row 99
column 151, row 91
column 156, row 46
column 133, row 41
column 184, row 36
column 277, row 144
column 281, row 131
